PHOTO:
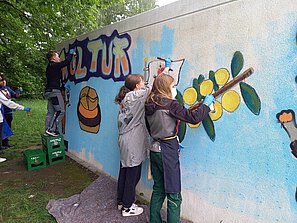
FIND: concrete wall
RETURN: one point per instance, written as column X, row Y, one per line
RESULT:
column 238, row 168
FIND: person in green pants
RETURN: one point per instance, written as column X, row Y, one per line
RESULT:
column 163, row 113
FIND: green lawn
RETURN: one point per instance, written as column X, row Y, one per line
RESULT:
column 27, row 129
column 25, row 194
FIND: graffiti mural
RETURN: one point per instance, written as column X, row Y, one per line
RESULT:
column 240, row 155
column 156, row 67
column 288, row 122
column 105, row 56
column 88, row 110
column 217, row 84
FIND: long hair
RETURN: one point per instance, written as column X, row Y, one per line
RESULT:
column 161, row 88
column 130, row 85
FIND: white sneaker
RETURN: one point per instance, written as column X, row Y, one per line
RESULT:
column 132, row 211
column 2, row 159
column 51, row 133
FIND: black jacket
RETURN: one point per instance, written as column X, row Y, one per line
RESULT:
column 54, row 73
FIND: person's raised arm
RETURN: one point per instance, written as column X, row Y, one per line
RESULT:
column 191, row 116
column 66, row 61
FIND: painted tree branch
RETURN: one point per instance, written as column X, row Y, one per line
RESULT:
column 229, row 85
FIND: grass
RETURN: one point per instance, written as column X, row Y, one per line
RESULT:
column 25, row 194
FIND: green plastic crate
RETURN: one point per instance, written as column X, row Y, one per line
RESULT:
column 55, row 156
column 52, row 142
column 34, row 159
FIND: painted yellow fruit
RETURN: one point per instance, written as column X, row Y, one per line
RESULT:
column 194, row 126
column 230, row 100
column 222, row 76
column 218, row 111
column 190, row 96
column 206, row 87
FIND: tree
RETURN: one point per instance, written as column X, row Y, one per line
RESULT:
column 29, row 28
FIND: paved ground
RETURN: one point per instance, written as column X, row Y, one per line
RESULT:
column 96, row 203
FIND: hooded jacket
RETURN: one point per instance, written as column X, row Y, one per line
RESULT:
column 133, row 135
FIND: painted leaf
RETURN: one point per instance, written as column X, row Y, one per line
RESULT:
column 196, row 85
column 250, row 97
column 236, row 63
column 179, row 97
column 182, row 128
column 212, row 78
column 209, row 127
column 200, row 80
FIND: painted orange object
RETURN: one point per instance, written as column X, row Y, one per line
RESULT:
column 87, row 113
column 286, row 117
column 88, row 110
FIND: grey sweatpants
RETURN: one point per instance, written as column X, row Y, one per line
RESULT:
column 55, row 110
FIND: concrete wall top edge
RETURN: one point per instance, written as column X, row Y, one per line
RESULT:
column 158, row 15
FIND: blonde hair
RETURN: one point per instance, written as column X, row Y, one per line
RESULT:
column 161, row 88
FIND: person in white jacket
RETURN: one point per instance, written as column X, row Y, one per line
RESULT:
column 11, row 104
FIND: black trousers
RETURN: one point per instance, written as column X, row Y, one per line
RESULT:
column 8, row 118
column 128, row 179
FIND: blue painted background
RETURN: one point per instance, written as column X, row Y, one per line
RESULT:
column 249, row 165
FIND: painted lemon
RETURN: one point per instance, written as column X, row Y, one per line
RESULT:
column 218, row 111
column 194, row 125
column 222, row 76
column 206, row 87
column 230, row 100
column 190, row 96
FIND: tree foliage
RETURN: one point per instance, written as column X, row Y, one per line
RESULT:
column 29, row 28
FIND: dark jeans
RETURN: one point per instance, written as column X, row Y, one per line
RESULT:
column 174, row 200
column 128, row 179
column 8, row 118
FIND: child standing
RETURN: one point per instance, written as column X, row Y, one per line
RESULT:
column 55, row 105
column 162, row 113
column 133, row 141
column 9, row 93
column 9, row 103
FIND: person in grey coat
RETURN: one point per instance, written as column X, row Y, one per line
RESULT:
column 133, row 141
